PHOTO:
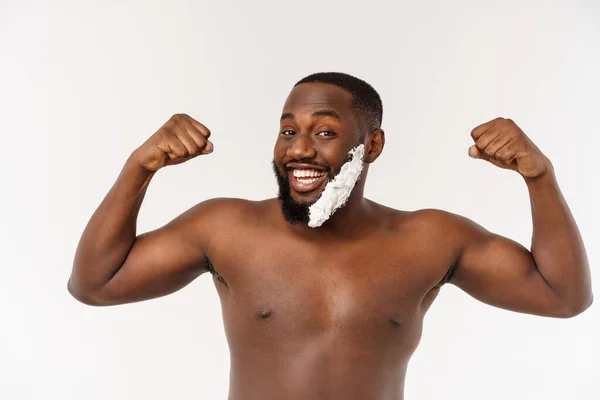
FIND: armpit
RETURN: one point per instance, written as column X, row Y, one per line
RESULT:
column 446, row 277
column 213, row 272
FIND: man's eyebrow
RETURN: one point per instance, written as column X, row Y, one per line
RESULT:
column 287, row 115
column 326, row 113
column 320, row 113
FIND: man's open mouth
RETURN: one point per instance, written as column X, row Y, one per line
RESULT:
column 306, row 180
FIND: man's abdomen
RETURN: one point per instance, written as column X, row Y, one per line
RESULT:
column 328, row 366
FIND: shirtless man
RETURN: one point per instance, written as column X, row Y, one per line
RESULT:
column 333, row 311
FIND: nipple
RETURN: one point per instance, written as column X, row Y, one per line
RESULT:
column 263, row 313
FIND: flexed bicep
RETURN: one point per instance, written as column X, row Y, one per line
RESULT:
column 501, row 272
column 160, row 262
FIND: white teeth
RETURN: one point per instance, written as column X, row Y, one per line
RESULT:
column 306, row 173
column 307, row 181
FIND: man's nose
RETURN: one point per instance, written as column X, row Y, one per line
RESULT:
column 302, row 147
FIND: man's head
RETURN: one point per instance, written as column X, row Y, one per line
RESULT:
column 325, row 116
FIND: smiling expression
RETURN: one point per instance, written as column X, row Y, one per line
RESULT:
column 317, row 130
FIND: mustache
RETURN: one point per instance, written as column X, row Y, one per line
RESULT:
column 327, row 168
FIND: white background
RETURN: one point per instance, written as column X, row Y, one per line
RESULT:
column 83, row 83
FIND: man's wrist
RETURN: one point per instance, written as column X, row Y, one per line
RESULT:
column 545, row 178
column 134, row 169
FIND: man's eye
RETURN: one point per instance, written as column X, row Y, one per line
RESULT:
column 287, row 132
column 326, row 133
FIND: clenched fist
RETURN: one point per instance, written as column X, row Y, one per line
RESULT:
column 504, row 144
column 180, row 139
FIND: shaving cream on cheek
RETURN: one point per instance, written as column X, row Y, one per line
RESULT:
column 337, row 191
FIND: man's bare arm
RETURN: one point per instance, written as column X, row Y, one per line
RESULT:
column 553, row 279
column 112, row 265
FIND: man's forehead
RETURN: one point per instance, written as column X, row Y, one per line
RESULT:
column 318, row 95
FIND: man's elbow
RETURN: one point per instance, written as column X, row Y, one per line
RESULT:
column 576, row 308
column 83, row 296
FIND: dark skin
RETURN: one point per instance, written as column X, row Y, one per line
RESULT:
column 333, row 312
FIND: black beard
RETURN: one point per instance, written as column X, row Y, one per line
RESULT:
column 293, row 212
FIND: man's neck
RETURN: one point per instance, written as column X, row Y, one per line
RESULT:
column 345, row 222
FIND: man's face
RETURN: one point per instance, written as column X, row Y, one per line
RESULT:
column 317, row 130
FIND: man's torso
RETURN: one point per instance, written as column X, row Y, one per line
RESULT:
column 327, row 318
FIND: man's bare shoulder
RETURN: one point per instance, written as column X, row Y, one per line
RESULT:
column 429, row 220
column 449, row 225
column 223, row 204
column 399, row 219
column 433, row 235
column 227, row 209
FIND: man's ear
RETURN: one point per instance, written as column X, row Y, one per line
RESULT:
column 374, row 143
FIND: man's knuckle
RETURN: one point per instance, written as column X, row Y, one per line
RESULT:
column 183, row 153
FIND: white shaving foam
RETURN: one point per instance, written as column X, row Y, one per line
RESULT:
column 338, row 190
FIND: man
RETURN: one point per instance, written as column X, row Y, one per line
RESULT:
column 324, row 291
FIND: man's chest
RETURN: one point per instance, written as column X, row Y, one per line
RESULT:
column 296, row 288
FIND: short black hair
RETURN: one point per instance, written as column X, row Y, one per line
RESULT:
column 366, row 101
